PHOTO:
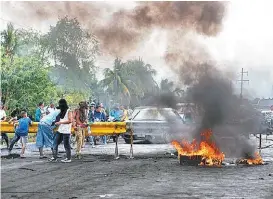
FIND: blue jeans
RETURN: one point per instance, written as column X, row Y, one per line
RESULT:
column 104, row 139
column 91, row 140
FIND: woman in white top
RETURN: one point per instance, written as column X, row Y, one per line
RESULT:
column 64, row 131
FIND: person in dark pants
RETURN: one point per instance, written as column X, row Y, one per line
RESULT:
column 6, row 138
column 64, row 132
column 59, row 137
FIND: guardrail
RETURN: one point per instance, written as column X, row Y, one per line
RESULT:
column 97, row 128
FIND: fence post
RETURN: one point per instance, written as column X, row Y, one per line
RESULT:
column 116, row 149
column 131, row 148
column 260, row 142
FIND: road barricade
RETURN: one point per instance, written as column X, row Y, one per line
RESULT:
column 97, row 129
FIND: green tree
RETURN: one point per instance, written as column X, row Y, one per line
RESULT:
column 33, row 43
column 72, row 50
column 25, row 82
column 142, row 76
column 113, row 81
column 167, row 86
column 9, row 41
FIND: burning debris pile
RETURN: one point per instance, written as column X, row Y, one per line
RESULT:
column 224, row 125
column 256, row 160
column 206, row 151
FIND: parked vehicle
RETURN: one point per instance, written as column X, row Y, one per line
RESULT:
column 150, row 124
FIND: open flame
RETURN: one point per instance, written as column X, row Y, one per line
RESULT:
column 256, row 160
column 211, row 154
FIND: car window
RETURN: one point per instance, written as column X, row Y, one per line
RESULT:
column 155, row 114
column 134, row 113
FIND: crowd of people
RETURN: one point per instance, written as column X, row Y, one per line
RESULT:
column 61, row 119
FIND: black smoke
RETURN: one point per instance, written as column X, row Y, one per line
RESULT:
column 219, row 109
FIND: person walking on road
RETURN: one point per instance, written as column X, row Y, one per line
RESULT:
column 64, row 131
column 21, row 133
column 81, row 125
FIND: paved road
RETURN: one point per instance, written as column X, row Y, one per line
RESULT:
column 150, row 175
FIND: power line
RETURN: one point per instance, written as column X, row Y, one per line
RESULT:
column 242, row 80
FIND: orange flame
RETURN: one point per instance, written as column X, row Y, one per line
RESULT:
column 211, row 155
column 257, row 160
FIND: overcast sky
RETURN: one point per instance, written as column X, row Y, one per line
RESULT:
column 245, row 41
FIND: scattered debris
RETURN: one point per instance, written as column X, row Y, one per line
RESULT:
column 10, row 156
column 27, row 169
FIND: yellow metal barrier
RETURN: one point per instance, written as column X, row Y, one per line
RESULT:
column 97, row 128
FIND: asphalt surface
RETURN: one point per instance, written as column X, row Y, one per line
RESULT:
column 153, row 173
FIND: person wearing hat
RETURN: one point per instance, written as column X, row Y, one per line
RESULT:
column 81, row 125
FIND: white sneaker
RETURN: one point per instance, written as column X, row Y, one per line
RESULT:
column 22, row 156
column 65, row 160
column 52, row 159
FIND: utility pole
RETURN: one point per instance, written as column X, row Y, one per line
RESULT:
column 242, row 80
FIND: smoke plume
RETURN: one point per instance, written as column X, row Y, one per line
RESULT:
column 120, row 32
column 220, row 110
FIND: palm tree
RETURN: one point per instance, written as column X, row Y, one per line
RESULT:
column 9, row 41
column 143, row 77
column 114, row 80
column 167, row 86
column 179, row 92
